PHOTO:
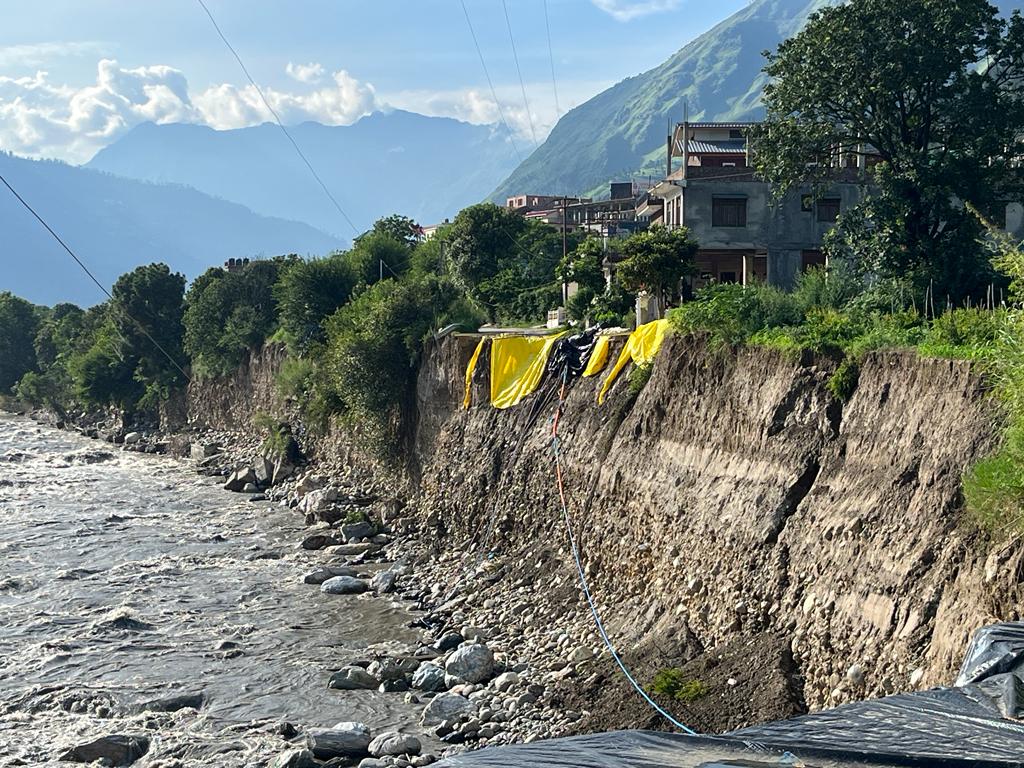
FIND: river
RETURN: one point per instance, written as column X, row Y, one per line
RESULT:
column 125, row 578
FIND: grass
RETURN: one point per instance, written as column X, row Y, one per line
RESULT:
column 673, row 683
column 277, row 443
column 639, row 375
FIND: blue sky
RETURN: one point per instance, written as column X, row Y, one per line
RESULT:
column 75, row 75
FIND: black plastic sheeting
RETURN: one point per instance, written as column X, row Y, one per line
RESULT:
column 945, row 727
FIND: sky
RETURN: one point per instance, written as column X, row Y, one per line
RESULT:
column 75, row 76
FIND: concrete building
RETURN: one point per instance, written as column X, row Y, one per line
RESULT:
column 744, row 233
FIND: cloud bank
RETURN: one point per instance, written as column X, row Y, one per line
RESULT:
column 40, row 118
column 627, row 10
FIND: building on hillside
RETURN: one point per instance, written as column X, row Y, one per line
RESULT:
column 743, row 232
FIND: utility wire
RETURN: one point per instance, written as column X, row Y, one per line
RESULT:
column 519, row 71
column 490, row 83
column 92, row 277
column 551, row 58
column 277, row 118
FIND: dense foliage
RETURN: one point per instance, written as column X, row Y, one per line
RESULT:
column 931, row 90
column 19, row 322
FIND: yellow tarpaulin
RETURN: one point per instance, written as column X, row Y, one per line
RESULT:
column 642, row 346
column 599, row 357
column 517, row 364
column 468, row 399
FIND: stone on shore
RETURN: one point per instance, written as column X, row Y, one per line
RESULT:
column 295, row 758
column 349, row 550
column 240, row 478
column 446, row 706
column 428, row 677
column 132, row 438
column 344, row 585
column 352, row 531
column 352, row 679
column 383, row 582
column 115, row 750
column 344, row 740
column 322, row 573
column 473, row 663
column 264, row 471
column 393, row 743
column 318, row 541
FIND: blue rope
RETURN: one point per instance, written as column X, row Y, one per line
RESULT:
column 555, row 444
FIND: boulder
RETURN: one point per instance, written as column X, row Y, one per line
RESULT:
column 174, row 703
column 240, row 478
column 393, row 743
column 132, row 438
column 390, row 669
column 250, row 488
column 352, row 679
column 371, row 762
column 310, row 483
column 383, row 582
column 281, row 472
column 318, row 541
column 115, row 750
column 354, row 549
column 344, row 585
column 264, row 471
column 505, row 681
column 473, row 663
column 295, row 758
column 428, row 677
column 200, row 451
column 317, row 501
column 349, row 740
column 446, row 706
column 448, row 642
column 322, row 573
column 352, row 531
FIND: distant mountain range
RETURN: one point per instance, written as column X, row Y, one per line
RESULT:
column 620, row 133
column 115, row 224
column 388, row 162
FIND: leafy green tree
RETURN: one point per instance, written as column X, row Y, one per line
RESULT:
column 19, row 321
column 373, row 349
column 227, row 314
column 378, row 254
column 584, row 266
column 656, row 260
column 397, row 227
column 929, row 88
column 308, row 293
column 103, row 375
column 146, row 312
column 505, row 263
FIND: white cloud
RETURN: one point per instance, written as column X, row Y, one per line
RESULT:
column 37, row 54
column 305, row 73
column 41, row 118
column 627, row 10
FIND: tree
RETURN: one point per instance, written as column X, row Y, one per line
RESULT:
column 227, row 314
column 146, row 312
column 309, row 292
column 585, row 267
column 505, row 263
column 656, row 260
column 378, row 254
column 929, row 88
column 19, row 322
column 397, row 227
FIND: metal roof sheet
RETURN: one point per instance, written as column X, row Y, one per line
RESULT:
column 723, row 147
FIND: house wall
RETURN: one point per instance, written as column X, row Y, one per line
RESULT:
column 779, row 228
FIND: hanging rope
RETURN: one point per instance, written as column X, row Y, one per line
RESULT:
column 579, row 566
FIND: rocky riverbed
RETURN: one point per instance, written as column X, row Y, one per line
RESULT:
column 151, row 618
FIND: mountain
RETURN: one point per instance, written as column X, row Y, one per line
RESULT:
column 621, row 131
column 115, row 224
column 388, row 162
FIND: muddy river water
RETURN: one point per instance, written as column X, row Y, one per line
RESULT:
column 126, row 579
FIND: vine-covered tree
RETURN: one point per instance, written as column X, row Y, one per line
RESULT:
column 657, row 260
column 931, row 90
column 19, row 322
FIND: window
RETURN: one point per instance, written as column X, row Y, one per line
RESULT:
column 735, row 134
column 828, row 210
column 727, row 277
column 729, row 212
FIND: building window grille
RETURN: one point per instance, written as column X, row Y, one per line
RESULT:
column 729, row 212
column 828, row 210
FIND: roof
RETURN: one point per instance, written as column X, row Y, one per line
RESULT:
column 730, row 147
column 721, row 125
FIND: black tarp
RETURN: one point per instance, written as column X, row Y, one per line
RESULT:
column 971, row 724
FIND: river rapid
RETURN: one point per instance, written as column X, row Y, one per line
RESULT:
column 127, row 579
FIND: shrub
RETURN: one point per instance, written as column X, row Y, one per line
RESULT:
column 308, row 293
column 732, row 313
column 638, row 377
column 843, row 380
column 970, row 334
column 673, row 683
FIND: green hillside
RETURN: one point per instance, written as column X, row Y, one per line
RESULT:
column 621, row 132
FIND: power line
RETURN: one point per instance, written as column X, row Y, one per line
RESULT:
column 92, row 277
column 519, row 71
column 551, row 58
column 490, row 83
column 277, row 118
